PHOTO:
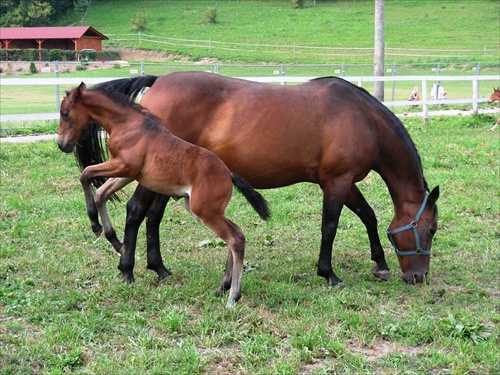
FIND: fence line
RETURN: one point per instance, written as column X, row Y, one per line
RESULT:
column 208, row 44
column 359, row 80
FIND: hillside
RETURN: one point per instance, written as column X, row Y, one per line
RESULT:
column 325, row 32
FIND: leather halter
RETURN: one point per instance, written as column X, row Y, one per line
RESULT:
column 413, row 226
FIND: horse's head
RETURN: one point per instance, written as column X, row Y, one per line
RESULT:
column 412, row 239
column 495, row 96
column 73, row 120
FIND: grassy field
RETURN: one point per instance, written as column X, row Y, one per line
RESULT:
column 433, row 30
column 63, row 309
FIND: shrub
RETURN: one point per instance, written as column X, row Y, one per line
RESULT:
column 139, row 23
column 297, row 4
column 210, row 15
column 33, row 69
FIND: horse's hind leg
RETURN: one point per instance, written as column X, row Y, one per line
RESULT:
column 357, row 203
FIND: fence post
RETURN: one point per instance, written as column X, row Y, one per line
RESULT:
column 475, row 90
column 425, row 107
column 56, row 87
column 143, row 72
column 393, row 84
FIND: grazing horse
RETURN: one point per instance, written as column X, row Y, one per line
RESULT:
column 326, row 131
column 495, row 97
column 142, row 149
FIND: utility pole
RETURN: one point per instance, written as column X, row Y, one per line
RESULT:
column 378, row 50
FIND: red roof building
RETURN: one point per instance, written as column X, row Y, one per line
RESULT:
column 68, row 38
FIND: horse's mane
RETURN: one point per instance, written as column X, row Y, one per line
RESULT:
column 390, row 117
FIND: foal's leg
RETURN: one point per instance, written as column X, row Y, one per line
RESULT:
column 208, row 205
column 101, row 197
column 357, row 204
column 111, row 168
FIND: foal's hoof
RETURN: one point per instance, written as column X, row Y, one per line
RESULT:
column 382, row 275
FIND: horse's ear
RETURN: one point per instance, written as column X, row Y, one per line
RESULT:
column 434, row 195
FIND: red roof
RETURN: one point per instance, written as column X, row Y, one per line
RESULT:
column 65, row 32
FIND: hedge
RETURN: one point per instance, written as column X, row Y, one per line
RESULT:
column 56, row 55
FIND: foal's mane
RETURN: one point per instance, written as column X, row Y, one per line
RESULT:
column 126, row 102
column 390, row 118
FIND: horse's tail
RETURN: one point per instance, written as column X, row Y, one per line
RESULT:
column 92, row 148
column 253, row 197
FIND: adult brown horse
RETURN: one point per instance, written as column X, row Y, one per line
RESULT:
column 327, row 131
column 495, row 97
column 143, row 150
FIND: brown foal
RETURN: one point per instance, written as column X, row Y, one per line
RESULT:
column 142, row 149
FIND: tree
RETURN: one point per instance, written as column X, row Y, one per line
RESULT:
column 19, row 13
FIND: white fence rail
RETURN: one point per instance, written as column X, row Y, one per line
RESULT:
column 283, row 80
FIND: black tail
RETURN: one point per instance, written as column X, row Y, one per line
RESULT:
column 92, row 148
column 253, row 197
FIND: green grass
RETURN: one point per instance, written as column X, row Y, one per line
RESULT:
column 435, row 27
column 63, row 308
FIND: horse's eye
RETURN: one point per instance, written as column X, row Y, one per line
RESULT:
column 65, row 114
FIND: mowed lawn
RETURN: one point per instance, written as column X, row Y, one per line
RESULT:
column 63, row 308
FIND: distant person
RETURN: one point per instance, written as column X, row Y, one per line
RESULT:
column 414, row 96
column 438, row 92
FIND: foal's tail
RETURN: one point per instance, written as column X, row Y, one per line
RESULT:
column 91, row 148
column 253, row 197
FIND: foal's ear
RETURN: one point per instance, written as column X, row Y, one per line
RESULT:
column 434, row 195
column 81, row 88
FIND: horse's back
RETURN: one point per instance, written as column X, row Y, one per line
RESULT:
column 272, row 135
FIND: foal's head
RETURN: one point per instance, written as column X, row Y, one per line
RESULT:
column 73, row 119
column 495, row 96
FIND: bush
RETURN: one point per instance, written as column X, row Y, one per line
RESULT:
column 55, row 55
column 210, row 15
column 297, row 4
column 139, row 23
column 33, row 69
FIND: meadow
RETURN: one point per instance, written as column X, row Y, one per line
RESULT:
column 63, row 309
column 418, row 30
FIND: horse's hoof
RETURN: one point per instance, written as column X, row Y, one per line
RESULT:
column 129, row 279
column 162, row 278
column 336, row 284
column 382, row 275
column 97, row 231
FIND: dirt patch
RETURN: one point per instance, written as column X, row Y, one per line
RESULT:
column 381, row 349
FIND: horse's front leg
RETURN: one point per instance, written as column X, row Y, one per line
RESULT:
column 334, row 195
column 101, row 197
column 143, row 202
column 154, row 217
column 357, row 203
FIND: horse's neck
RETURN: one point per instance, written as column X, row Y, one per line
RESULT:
column 402, row 173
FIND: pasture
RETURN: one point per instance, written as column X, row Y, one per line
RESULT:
column 63, row 308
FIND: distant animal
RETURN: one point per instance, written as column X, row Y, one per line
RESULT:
column 326, row 131
column 495, row 97
column 142, row 149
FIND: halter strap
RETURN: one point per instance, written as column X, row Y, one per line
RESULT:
column 413, row 225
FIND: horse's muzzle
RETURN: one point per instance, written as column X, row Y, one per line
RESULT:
column 65, row 146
